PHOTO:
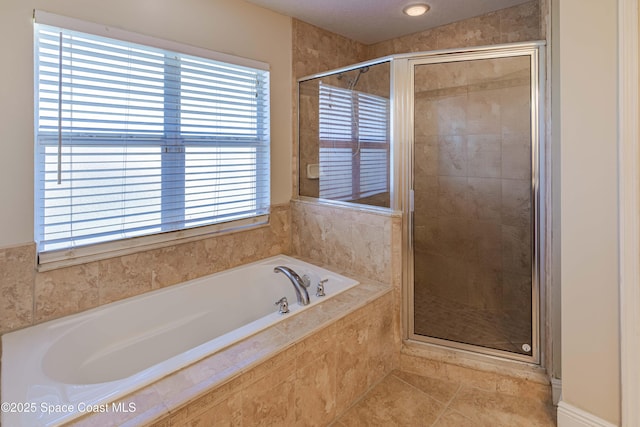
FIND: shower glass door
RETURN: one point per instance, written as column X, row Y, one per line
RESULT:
column 473, row 222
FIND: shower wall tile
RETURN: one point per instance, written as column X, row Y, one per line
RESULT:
column 483, row 112
column 454, row 237
column 485, row 243
column 484, row 198
column 452, row 196
column 452, row 115
column 516, row 202
column 485, row 287
column 514, row 24
column 17, row 272
column 516, row 162
column 516, row 104
column 520, row 23
column 516, row 252
column 520, row 139
column 485, row 156
column 452, row 155
column 316, row 50
column 426, row 117
column 478, row 31
column 426, row 189
column 425, row 151
column 30, row 297
column 517, row 291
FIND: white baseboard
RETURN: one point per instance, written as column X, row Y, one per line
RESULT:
column 570, row 416
column 556, row 390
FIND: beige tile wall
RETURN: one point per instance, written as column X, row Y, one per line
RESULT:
column 353, row 241
column 514, row 24
column 344, row 238
column 30, row 297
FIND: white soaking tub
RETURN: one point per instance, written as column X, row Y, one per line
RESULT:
column 62, row 369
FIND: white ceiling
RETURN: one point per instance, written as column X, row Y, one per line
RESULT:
column 371, row 21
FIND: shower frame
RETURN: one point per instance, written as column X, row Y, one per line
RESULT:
column 401, row 178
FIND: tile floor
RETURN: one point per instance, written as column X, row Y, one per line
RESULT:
column 404, row 399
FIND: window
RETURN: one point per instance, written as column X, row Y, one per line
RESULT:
column 354, row 144
column 133, row 140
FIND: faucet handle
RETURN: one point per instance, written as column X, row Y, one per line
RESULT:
column 306, row 280
column 320, row 288
column 283, row 305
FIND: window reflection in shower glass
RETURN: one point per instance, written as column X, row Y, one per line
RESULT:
column 473, row 207
column 344, row 136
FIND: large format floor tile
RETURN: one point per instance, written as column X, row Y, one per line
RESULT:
column 405, row 399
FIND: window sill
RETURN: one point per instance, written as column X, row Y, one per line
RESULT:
column 69, row 257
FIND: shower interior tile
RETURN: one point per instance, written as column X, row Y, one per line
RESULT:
column 485, row 198
column 484, row 156
column 516, row 202
column 483, row 111
column 452, row 115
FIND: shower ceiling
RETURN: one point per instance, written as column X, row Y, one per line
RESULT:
column 372, row 21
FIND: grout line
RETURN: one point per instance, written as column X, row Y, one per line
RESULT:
column 446, row 406
column 423, row 392
column 360, row 399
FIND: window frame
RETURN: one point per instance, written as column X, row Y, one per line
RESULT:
column 51, row 259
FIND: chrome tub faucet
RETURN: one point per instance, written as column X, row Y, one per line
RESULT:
column 298, row 283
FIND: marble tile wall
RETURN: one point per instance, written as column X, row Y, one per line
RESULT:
column 345, row 238
column 316, row 50
column 30, row 297
column 357, row 242
column 514, row 24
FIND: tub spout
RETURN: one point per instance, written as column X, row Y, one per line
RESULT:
column 298, row 284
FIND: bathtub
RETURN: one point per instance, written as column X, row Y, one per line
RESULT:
column 66, row 368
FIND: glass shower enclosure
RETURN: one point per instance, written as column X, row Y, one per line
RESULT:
column 451, row 139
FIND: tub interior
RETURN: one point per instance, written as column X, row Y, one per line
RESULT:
column 107, row 352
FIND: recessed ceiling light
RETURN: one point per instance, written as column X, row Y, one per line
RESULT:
column 418, row 9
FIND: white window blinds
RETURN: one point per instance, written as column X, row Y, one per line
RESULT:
column 354, row 143
column 133, row 140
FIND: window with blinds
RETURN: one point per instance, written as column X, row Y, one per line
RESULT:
column 354, row 144
column 133, row 140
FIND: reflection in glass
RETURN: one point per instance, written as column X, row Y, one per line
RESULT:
column 344, row 136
